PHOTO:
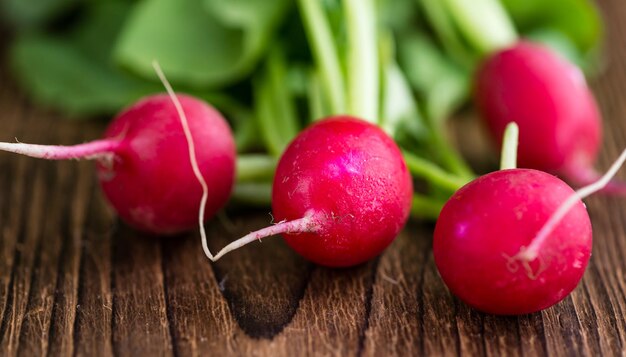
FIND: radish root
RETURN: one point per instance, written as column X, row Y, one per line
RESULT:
column 530, row 253
column 309, row 223
column 192, row 156
column 100, row 149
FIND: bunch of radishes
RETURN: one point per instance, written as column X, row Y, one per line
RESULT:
column 510, row 242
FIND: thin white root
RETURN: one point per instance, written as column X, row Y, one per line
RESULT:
column 103, row 149
column 308, row 223
column 531, row 252
column 192, row 155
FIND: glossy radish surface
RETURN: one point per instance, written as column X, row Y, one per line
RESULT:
column 559, row 122
column 351, row 173
column 488, row 222
column 341, row 194
column 150, row 180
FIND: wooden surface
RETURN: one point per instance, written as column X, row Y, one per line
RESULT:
column 74, row 280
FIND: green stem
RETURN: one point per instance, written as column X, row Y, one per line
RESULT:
column 508, row 158
column 446, row 32
column 484, row 23
column 449, row 155
column 323, row 47
column 246, row 134
column 425, row 207
column 363, row 66
column 253, row 194
column 265, row 114
column 275, row 110
column 433, row 173
column 285, row 121
column 318, row 108
column 255, row 168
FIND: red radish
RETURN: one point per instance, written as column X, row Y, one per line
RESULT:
column 559, row 122
column 515, row 241
column 144, row 166
column 342, row 193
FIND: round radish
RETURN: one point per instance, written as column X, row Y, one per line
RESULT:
column 559, row 122
column 144, row 165
column 150, row 182
column 342, row 193
column 489, row 225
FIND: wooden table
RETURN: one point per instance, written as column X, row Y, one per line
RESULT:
column 74, row 280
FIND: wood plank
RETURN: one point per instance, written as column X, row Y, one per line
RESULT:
column 14, row 172
column 26, row 250
column 93, row 334
column 265, row 284
column 66, row 297
column 470, row 325
column 532, row 336
column 200, row 318
column 394, row 323
column 501, row 335
column 36, row 325
column 441, row 333
column 332, row 317
column 23, row 234
column 140, row 324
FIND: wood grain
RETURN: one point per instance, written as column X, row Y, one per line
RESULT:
column 76, row 281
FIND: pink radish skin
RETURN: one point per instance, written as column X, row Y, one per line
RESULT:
column 342, row 193
column 559, row 122
column 144, row 167
column 151, row 183
column 351, row 174
column 484, row 227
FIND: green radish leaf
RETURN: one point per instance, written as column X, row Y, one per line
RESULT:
column 579, row 20
column 71, row 71
column 199, row 43
column 439, row 81
column 58, row 74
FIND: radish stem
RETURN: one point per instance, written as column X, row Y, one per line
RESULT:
column 308, row 223
column 433, row 173
column 363, row 70
column 484, row 23
column 255, row 168
column 323, row 47
column 508, row 158
column 253, row 193
column 425, row 207
column 448, row 154
column 192, row 155
column 445, row 30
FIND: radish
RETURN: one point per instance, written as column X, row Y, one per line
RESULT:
column 560, row 125
column 144, row 165
column 515, row 241
column 341, row 193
